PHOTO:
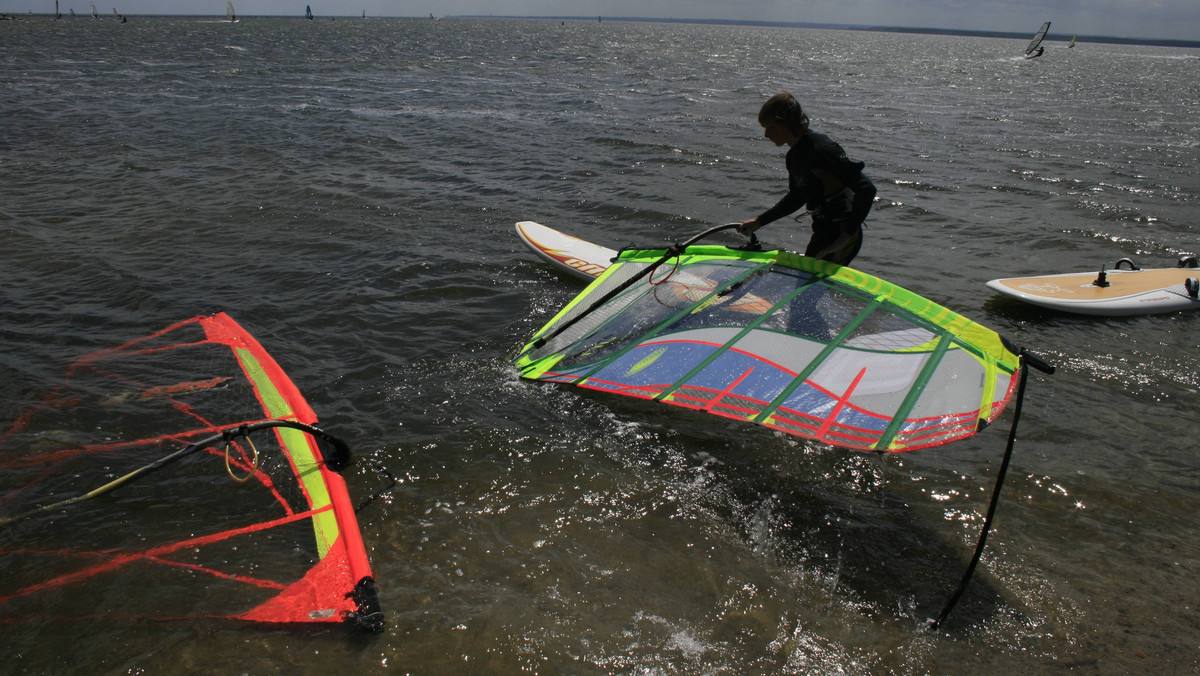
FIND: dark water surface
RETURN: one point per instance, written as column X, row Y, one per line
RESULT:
column 347, row 190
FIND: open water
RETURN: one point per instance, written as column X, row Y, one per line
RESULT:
column 347, row 191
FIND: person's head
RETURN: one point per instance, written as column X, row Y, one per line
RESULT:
column 782, row 116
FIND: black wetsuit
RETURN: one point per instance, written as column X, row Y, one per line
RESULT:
column 834, row 189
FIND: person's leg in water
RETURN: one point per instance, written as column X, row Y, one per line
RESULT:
column 827, row 225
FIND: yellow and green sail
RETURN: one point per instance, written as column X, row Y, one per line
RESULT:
column 809, row 348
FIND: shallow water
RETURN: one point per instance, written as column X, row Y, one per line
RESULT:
column 346, row 190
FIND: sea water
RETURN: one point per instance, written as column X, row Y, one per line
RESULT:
column 347, row 190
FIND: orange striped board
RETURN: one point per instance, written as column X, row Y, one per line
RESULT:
column 1129, row 292
column 571, row 255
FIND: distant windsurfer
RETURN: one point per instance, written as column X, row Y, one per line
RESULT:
column 821, row 176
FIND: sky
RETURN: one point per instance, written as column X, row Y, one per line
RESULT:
column 1159, row 19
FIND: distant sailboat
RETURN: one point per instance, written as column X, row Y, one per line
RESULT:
column 1072, row 43
column 229, row 12
column 94, row 14
column 57, row 13
column 308, row 12
column 1035, row 47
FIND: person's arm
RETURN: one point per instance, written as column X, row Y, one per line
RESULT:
column 795, row 198
column 790, row 202
column 748, row 226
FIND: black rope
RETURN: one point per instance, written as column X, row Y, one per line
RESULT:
column 379, row 467
column 1041, row 365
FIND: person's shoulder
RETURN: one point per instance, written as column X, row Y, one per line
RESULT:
column 818, row 140
column 820, row 148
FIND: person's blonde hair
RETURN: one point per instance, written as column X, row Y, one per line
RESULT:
column 784, row 109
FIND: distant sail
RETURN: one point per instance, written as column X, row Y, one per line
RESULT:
column 94, row 14
column 308, row 12
column 1072, row 43
column 229, row 12
column 1035, row 48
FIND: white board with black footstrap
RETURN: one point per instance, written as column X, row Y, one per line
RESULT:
column 1121, row 291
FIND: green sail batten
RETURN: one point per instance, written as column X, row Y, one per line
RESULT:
column 765, row 415
column 665, row 394
column 914, row 393
column 989, row 389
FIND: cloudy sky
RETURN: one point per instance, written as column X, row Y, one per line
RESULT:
column 1172, row 19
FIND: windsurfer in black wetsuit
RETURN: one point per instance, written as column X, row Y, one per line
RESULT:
column 821, row 177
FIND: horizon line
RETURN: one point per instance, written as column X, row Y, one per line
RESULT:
column 923, row 30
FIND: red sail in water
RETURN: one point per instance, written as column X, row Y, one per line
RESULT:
column 254, row 527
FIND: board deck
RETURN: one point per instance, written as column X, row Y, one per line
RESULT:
column 567, row 254
column 1129, row 292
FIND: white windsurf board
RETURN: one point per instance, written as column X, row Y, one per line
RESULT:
column 1128, row 292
